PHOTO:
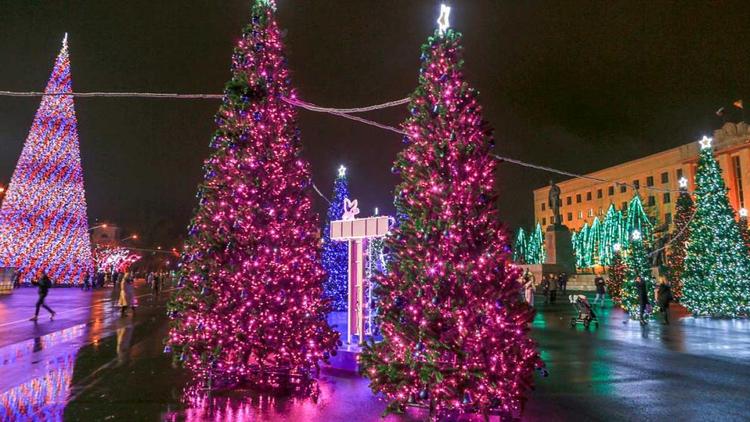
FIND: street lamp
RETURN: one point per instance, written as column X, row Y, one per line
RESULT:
column 134, row 236
column 104, row 226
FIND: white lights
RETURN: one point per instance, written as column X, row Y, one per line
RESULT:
column 743, row 212
column 444, row 19
column 706, row 142
column 350, row 209
column 617, row 247
column 342, row 171
column 377, row 211
column 683, row 182
column 636, row 235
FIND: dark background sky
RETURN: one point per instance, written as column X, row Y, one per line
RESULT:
column 579, row 85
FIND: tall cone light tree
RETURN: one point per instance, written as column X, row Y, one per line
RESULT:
column 43, row 222
column 251, row 306
column 455, row 336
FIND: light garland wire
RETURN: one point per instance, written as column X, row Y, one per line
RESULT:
column 340, row 112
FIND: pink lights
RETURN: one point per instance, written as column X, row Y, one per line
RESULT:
column 455, row 334
column 251, row 310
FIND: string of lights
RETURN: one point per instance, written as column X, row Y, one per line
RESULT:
column 340, row 112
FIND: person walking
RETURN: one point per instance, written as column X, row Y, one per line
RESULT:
column 529, row 284
column 600, row 290
column 563, row 282
column 552, row 288
column 86, row 282
column 545, row 288
column 664, row 298
column 156, row 284
column 44, row 285
column 642, row 297
column 126, row 299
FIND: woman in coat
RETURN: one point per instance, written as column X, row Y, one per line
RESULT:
column 126, row 293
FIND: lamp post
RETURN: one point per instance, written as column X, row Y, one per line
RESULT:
column 104, row 226
column 133, row 236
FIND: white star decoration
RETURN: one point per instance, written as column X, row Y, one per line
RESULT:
column 706, row 142
column 683, row 182
column 342, row 171
column 636, row 235
column 444, row 19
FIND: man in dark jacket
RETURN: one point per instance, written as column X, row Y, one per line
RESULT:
column 642, row 297
column 665, row 298
column 599, row 283
column 564, row 283
column 44, row 285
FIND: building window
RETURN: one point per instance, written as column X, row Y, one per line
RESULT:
column 588, row 196
column 601, row 211
column 544, row 221
column 543, row 206
column 569, row 200
column 570, row 216
column 611, row 191
column 650, row 181
column 679, row 174
column 623, row 188
column 624, row 206
column 599, row 194
column 738, row 180
column 665, row 177
column 636, row 184
column 667, row 198
column 578, row 198
column 591, row 212
column 668, row 218
column 651, row 200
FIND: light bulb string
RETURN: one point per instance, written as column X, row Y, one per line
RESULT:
column 340, row 112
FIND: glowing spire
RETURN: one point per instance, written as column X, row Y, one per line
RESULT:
column 444, row 19
column 683, row 182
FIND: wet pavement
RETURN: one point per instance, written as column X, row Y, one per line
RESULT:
column 91, row 364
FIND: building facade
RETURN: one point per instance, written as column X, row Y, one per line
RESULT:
column 583, row 200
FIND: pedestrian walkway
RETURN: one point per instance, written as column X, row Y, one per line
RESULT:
column 96, row 365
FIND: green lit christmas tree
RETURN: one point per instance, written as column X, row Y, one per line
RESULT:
column 680, row 234
column 617, row 272
column 717, row 267
column 519, row 247
column 638, row 265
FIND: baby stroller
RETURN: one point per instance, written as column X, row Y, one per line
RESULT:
column 585, row 314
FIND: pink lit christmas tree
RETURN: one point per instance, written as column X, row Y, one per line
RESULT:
column 43, row 223
column 455, row 336
column 251, row 307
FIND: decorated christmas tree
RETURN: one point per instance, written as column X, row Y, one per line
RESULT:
column 519, row 247
column 680, row 234
column 455, row 336
column 638, row 265
column 535, row 246
column 43, row 222
column 617, row 272
column 251, row 307
column 717, row 267
column 336, row 254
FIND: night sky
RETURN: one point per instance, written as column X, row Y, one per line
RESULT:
column 571, row 84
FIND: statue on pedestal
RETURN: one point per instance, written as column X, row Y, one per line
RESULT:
column 554, row 202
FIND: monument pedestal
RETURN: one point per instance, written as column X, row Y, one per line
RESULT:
column 558, row 243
